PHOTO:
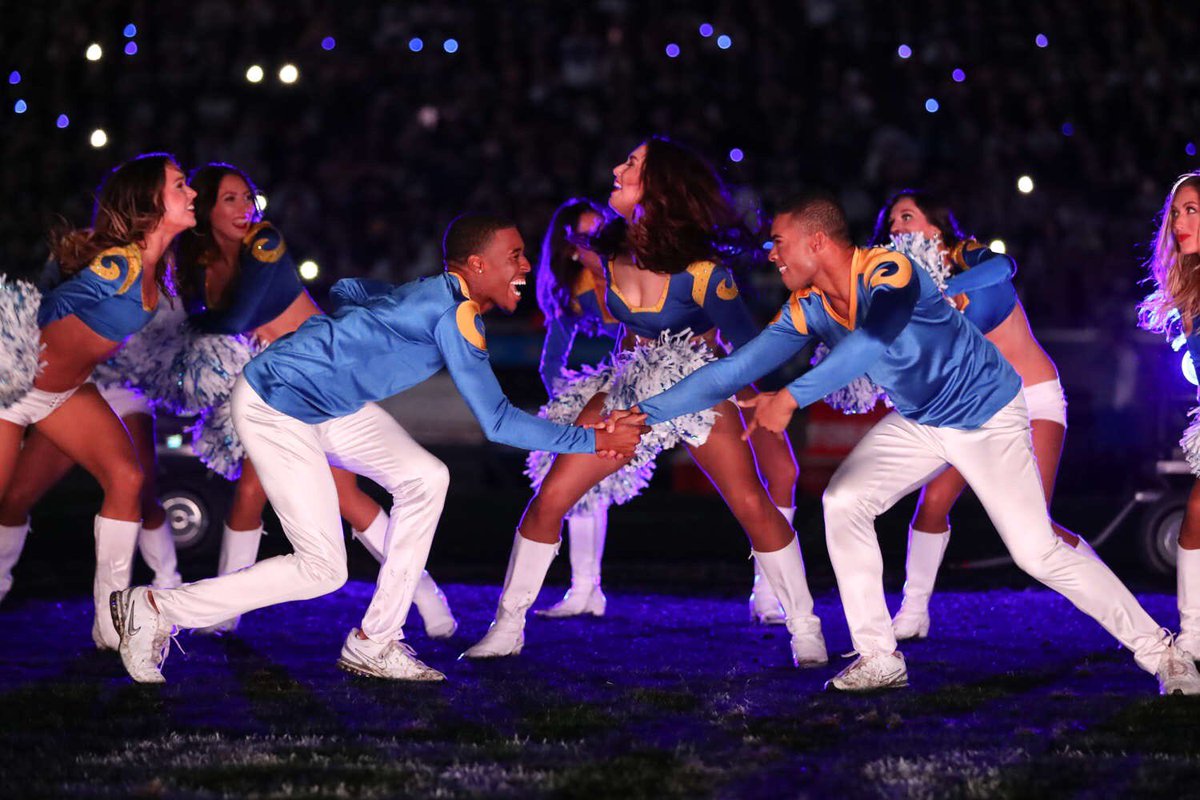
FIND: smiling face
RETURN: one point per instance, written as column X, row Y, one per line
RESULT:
column 179, row 211
column 1185, row 219
column 906, row 217
column 499, row 271
column 793, row 252
column 233, row 211
column 627, row 183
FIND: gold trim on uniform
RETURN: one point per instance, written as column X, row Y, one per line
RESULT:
column 727, row 289
column 878, row 274
column 465, row 316
column 258, row 246
column 701, row 272
column 129, row 257
column 798, row 320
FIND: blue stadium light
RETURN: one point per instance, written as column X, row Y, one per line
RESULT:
column 958, row 75
column 706, row 30
column 931, row 105
column 450, row 45
column 62, row 121
column 131, row 48
column 415, row 44
column 328, row 43
column 1068, row 129
column 904, row 51
column 20, row 107
column 672, row 50
column 1190, row 149
column 14, row 77
column 724, row 42
column 736, row 155
column 1041, row 41
column 130, row 31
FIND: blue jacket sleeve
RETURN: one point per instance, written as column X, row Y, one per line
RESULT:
column 726, row 309
column 460, row 339
column 356, row 291
column 560, row 335
column 109, row 276
column 891, row 308
column 984, row 268
column 717, row 381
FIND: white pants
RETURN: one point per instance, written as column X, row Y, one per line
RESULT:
column 898, row 455
column 35, row 406
column 292, row 459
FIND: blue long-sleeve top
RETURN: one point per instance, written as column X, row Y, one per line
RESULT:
column 985, row 278
column 266, row 284
column 107, row 296
column 382, row 339
column 936, row 367
column 586, row 314
column 702, row 297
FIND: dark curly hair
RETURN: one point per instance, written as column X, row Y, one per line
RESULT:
column 194, row 248
column 684, row 216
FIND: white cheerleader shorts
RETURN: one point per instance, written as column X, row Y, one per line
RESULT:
column 1047, row 401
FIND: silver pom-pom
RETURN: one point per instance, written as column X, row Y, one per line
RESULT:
column 145, row 361
column 216, row 443
column 20, row 339
column 572, row 392
column 651, row 368
column 925, row 253
column 1191, row 442
column 204, row 372
column 857, row 397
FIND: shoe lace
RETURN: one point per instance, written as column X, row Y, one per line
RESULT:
column 162, row 644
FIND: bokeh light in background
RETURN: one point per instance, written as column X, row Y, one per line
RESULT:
column 98, row 138
column 254, row 74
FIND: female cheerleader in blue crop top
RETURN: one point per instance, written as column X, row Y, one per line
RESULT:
column 114, row 286
column 236, row 276
column 979, row 282
column 665, row 287
column 1174, row 308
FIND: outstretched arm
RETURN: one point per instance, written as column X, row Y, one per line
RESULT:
column 984, row 268
column 356, row 291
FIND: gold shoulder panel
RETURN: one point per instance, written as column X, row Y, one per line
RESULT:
column 888, row 269
column 701, row 273
column 798, row 320
column 110, row 263
column 468, row 312
column 265, row 242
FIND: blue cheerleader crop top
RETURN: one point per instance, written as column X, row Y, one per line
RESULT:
column 587, row 315
column 267, row 283
column 985, row 280
column 107, row 296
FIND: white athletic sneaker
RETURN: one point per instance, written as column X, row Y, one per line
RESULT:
column 501, row 640
column 872, row 673
column 393, row 660
column 1189, row 643
column 145, row 635
column 221, row 628
column 1177, row 672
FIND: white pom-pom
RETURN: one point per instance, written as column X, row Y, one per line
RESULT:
column 145, row 361
column 926, row 253
column 204, row 373
column 571, row 393
column 216, row 443
column 20, row 339
column 857, row 397
column 1190, row 442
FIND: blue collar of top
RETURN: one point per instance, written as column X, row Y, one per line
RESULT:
column 457, row 283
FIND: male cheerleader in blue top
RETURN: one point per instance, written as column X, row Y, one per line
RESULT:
column 308, row 401
column 957, row 402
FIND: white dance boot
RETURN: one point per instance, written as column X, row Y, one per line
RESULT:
column 925, row 551
column 764, row 605
column 239, row 549
column 527, row 568
column 585, row 546
column 157, row 547
column 12, row 542
column 1188, row 581
column 116, row 541
column 431, row 603
column 784, row 570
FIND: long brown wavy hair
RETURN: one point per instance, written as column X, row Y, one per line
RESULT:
column 1175, row 300
column 685, row 214
column 195, row 247
column 129, row 206
column 556, row 270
